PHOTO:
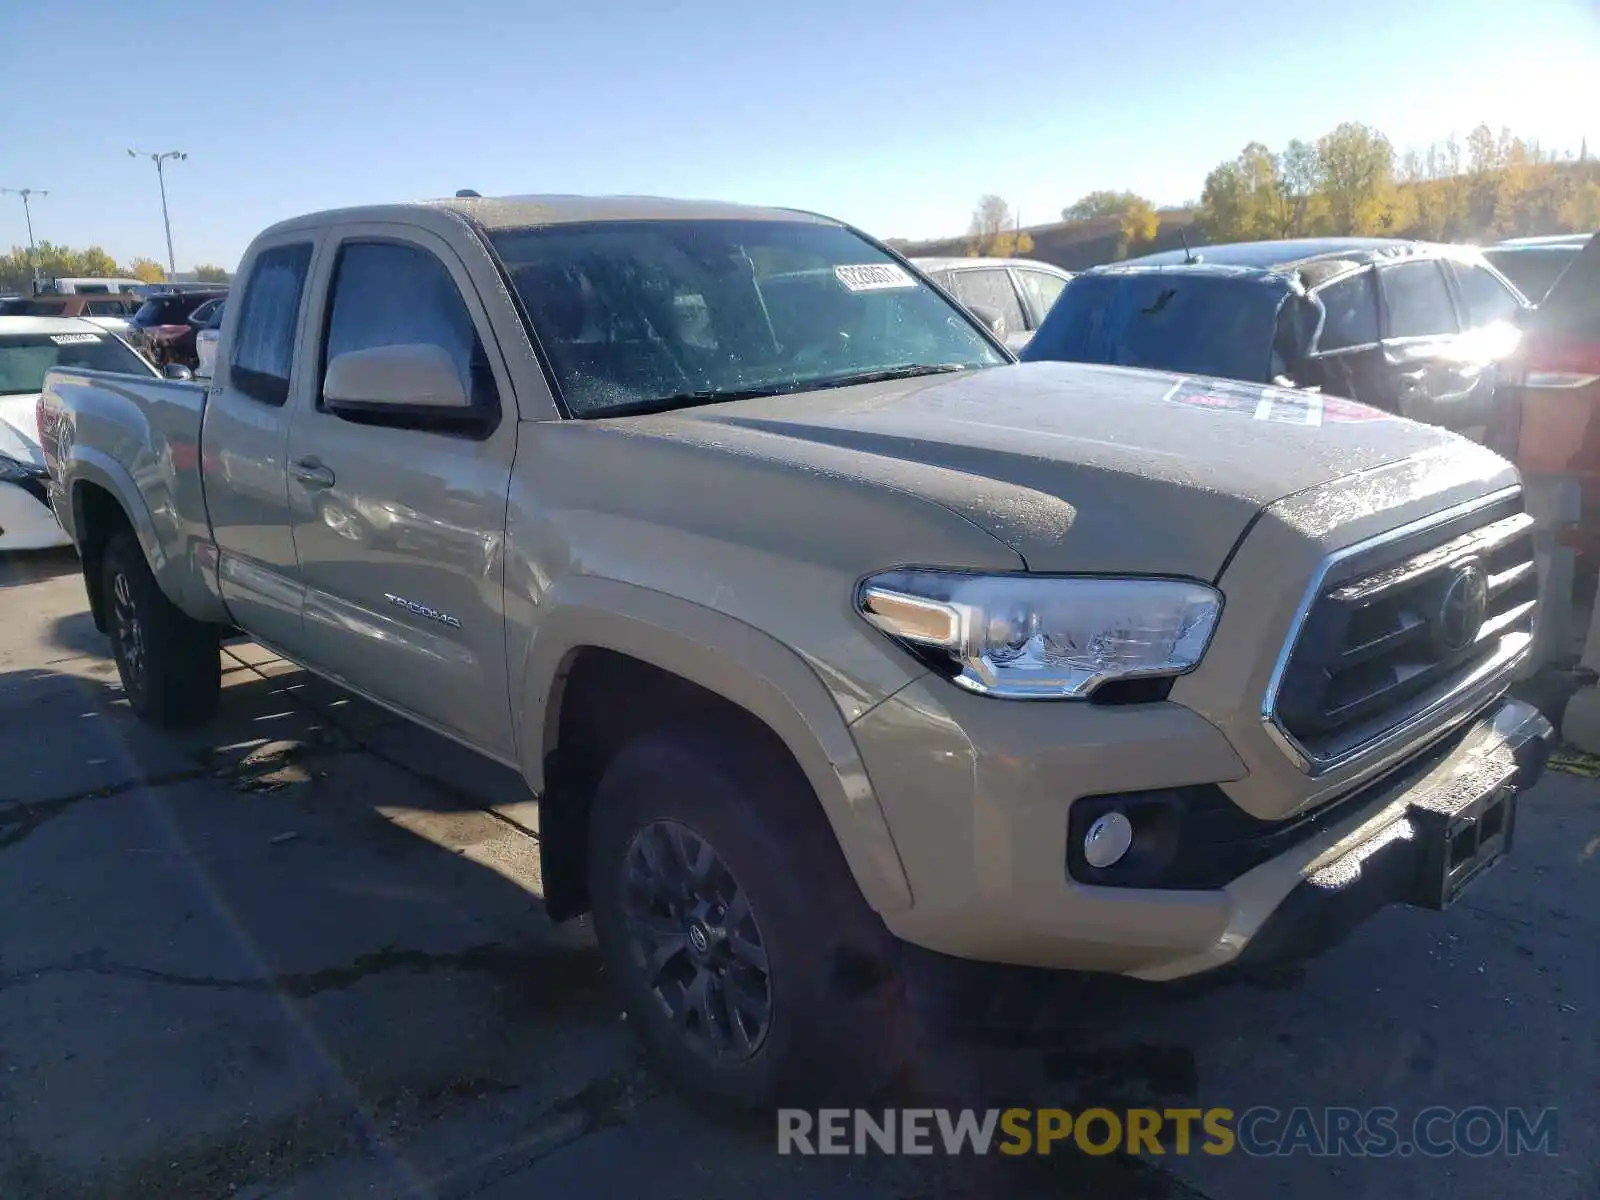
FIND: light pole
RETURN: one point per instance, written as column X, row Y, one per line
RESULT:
column 27, row 215
column 159, row 159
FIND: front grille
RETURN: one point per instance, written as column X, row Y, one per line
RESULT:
column 1400, row 629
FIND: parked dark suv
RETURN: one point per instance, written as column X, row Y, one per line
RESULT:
column 1409, row 327
column 164, row 328
column 1535, row 263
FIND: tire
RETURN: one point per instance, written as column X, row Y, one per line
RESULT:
column 170, row 664
column 834, row 1025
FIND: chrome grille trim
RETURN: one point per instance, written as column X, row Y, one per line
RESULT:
column 1465, row 696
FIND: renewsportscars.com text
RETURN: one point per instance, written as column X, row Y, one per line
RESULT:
column 1260, row 1132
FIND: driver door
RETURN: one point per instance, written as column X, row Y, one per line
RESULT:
column 399, row 521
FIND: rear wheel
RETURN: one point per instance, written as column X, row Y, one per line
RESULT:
column 749, row 962
column 169, row 662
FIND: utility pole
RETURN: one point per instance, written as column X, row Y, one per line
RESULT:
column 160, row 160
column 27, row 215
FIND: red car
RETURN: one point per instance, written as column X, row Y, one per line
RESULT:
column 1548, row 408
column 164, row 328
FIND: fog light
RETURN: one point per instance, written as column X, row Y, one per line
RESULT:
column 1108, row 840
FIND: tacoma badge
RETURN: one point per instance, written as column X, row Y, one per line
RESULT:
column 422, row 610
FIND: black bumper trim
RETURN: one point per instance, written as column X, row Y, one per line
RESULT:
column 1503, row 752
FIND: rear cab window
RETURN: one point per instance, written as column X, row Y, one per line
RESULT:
column 262, row 354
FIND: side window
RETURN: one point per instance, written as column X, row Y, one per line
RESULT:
column 1487, row 300
column 263, row 340
column 1417, row 300
column 104, row 308
column 389, row 294
column 1041, row 288
column 990, row 287
column 1351, row 311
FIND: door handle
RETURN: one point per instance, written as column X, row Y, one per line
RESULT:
column 311, row 473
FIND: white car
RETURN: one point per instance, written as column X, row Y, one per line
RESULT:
column 205, row 341
column 1011, row 295
column 30, row 346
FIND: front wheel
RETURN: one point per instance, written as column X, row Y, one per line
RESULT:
column 749, row 962
column 169, row 663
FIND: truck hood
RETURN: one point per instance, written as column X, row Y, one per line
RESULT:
column 18, row 428
column 1075, row 467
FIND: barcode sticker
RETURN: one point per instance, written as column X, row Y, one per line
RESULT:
column 873, row 277
column 74, row 339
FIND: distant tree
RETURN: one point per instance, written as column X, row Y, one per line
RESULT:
column 53, row 262
column 209, row 273
column 1103, row 203
column 1137, row 221
column 147, row 270
column 993, row 232
column 1299, row 180
column 992, row 216
column 1007, row 244
column 96, row 262
column 1580, row 208
column 1137, row 224
column 1357, row 172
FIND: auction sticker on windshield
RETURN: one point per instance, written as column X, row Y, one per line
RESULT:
column 74, row 339
column 873, row 277
column 1269, row 403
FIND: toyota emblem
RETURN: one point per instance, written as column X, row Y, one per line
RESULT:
column 1461, row 609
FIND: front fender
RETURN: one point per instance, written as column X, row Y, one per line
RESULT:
column 734, row 660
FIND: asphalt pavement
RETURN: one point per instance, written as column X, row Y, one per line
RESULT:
column 300, row 952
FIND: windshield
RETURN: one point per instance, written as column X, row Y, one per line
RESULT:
column 638, row 314
column 25, row 357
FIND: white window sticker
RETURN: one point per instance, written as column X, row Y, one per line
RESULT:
column 74, row 339
column 873, row 277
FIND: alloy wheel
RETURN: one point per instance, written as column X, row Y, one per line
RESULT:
column 693, row 936
column 128, row 630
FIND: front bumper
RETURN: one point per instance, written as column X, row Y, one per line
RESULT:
column 980, row 815
column 1437, row 834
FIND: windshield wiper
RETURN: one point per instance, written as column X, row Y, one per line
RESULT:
column 657, row 404
column 902, row 371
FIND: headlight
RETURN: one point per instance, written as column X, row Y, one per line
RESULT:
column 13, row 471
column 1044, row 637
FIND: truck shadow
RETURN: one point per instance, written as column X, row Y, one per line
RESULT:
column 289, row 946
column 18, row 567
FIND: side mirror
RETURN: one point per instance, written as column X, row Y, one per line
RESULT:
column 414, row 377
column 992, row 319
column 177, row 371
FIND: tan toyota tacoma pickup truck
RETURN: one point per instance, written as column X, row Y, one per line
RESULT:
column 828, row 636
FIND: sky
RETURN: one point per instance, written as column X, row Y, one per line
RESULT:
column 894, row 115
